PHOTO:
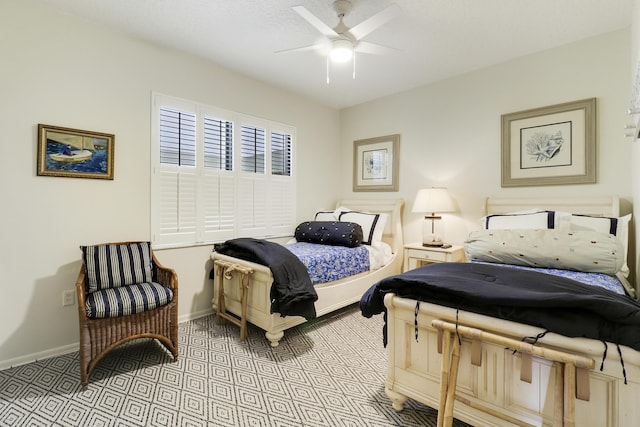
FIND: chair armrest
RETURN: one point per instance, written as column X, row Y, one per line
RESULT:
column 80, row 291
column 165, row 276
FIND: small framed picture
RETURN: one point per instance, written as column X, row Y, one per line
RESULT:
column 74, row 153
column 375, row 163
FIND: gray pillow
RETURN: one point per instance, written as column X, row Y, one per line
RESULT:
column 588, row 251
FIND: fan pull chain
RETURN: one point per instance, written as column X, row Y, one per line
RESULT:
column 328, row 60
column 354, row 65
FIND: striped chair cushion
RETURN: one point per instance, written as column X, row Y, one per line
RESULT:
column 125, row 300
column 110, row 266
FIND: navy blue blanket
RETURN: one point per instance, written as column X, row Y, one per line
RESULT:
column 292, row 293
column 557, row 304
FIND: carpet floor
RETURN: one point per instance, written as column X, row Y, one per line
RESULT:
column 328, row 372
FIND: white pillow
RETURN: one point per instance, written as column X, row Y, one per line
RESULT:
column 339, row 211
column 372, row 224
column 616, row 226
column 380, row 226
column 520, row 220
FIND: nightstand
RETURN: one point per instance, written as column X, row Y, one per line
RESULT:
column 416, row 255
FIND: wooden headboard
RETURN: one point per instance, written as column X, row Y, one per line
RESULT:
column 595, row 206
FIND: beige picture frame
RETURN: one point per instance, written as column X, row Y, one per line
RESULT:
column 375, row 163
column 553, row 145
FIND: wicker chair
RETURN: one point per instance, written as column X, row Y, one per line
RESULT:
column 101, row 332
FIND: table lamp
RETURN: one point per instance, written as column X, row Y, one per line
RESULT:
column 430, row 201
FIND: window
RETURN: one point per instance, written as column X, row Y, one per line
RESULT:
column 217, row 175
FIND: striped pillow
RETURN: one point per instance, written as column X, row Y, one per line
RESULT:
column 126, row 300
column 114, row 265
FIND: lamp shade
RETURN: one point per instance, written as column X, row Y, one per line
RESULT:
column 433, row 200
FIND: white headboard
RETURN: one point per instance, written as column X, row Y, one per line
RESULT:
column 596, row 206
column 393, row 208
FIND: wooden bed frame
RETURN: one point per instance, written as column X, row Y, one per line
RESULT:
column 414, row 366
column 331, row 296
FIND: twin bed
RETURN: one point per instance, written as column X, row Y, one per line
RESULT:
column 489, row 391
column 381, row 222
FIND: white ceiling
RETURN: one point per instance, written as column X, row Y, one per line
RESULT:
column 437, row 38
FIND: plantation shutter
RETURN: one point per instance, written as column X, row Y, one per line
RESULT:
column 282, row 184
column 177, row 176
column 252, row 194
column 218, row 180
column 280, row 153
column 177, row 138
column 217, row 175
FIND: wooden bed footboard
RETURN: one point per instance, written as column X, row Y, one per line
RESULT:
column 258, row 300
column 331, row 296
column 415, row 366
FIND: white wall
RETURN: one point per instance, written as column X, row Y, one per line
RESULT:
column 63, row 71
column 450, row 130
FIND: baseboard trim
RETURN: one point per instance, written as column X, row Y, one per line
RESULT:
column 59, row 351
column 195, row 315
column 34, row 357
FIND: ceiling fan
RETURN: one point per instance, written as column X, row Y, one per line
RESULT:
column 342, row 42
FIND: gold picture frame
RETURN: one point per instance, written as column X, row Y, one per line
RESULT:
column 554, row 145
column 75, row 153
column 375, row 163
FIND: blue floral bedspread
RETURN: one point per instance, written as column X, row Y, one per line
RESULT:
column 328, row 263
column 595, row 279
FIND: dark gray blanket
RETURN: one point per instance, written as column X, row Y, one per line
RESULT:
column 292, row 293
column 557, row 304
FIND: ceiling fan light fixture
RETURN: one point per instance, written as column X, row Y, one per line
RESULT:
column 341, row 51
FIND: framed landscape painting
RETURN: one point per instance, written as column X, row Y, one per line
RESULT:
column 74, row 153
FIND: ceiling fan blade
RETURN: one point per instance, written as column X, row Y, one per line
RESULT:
column 302, row 48
column 375, row 49
column 315, row 21
column 377, row 20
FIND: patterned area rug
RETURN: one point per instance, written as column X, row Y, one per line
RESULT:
column 329, row 372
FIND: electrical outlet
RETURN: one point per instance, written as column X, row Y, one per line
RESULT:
column 68, row 297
